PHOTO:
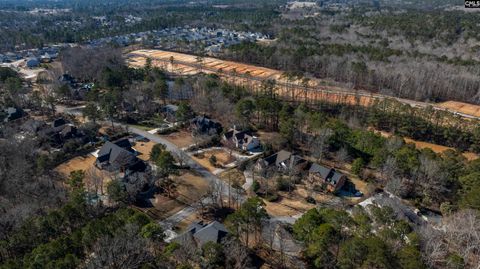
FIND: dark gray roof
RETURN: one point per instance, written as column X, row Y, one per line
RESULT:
column 320, row 169
column 243, row 137
column 204, row 124
column 117, row 154
column 213, row 232
column 59, row 122
column 336, row 177
column 329, row 175
column 277, row 158
column 13, row 113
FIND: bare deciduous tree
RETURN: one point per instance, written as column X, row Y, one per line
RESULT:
column 124, row 250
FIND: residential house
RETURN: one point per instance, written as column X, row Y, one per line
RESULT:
column 329, row 178
column 282, row 161
column 170, row 113
column 12, row 113
column 243, row 140
column 204, row 125
column 46, row 58
column 119, row 156
column 32, row 63
column 67, row 79
column 199, row 234
column 81, row 92
column 59, row 132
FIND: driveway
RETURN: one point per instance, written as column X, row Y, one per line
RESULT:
column 171, row 221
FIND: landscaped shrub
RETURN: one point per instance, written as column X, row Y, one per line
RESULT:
column 213, row 160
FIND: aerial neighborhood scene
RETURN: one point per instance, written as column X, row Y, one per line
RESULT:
column 329, row 134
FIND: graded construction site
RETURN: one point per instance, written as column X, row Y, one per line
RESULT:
column 289, row 88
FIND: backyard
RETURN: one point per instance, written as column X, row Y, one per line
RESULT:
column 95, row 179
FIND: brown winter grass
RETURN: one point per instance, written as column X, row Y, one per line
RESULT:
column 78, row 163
column 288, row 205
column 190, row 189
column 180, row 139
column 233, row 176
column 144, row 148
column 223, row 158
column 85, row 163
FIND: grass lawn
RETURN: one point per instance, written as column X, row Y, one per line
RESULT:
column 144, row 148
column 233, row 176
column 288, row 205
column 223, row 158
column 190, row 189
column 92, row 173
column 181, row 138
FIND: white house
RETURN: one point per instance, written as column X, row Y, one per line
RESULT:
column 241, row 139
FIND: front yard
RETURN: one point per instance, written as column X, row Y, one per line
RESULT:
column 189, row 188
column 181, row 139
column 221, row 159
column 233, row 176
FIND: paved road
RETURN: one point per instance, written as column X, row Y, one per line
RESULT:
column 248, row 180
column 204, row 173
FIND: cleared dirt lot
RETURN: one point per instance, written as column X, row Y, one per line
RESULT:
column 434, row 147
column 461, row 107
column 288, row 88
column 181, row 139
column 78, row 163
column 223, row 158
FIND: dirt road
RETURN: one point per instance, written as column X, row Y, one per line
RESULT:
column 287, row 87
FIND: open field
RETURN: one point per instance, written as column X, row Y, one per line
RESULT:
column 180, row 139
column 294, row 89
column 223, row 158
